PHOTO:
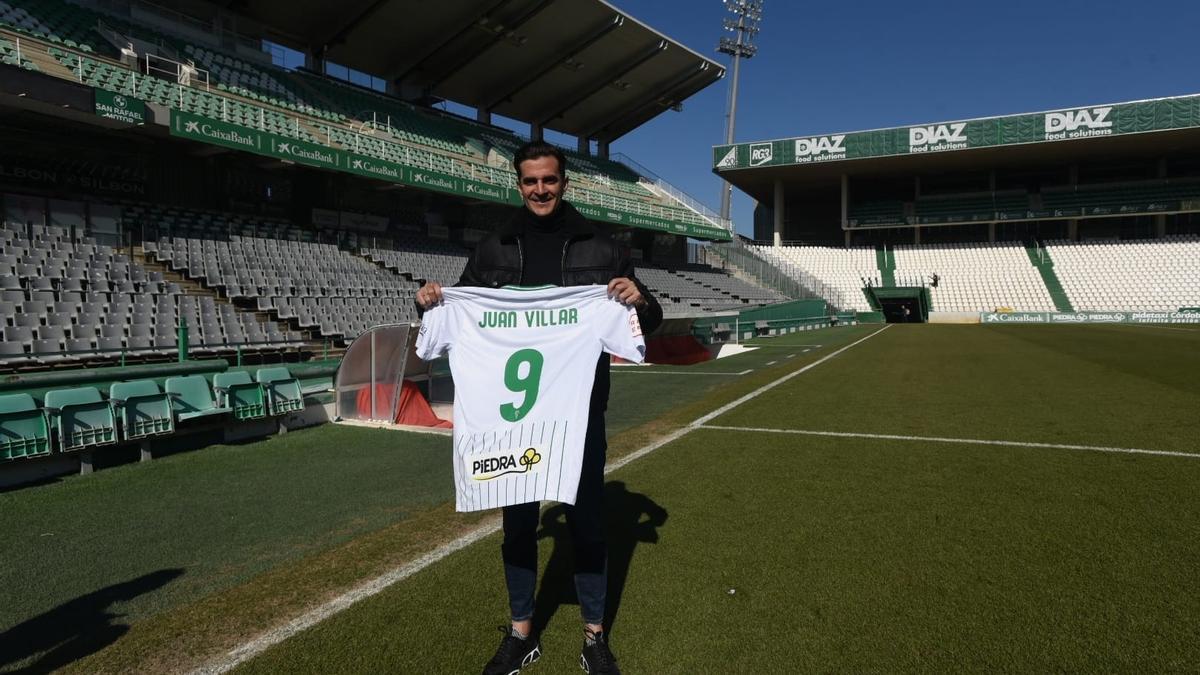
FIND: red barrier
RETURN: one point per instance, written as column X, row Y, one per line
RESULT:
column 678, row 350
column 414, row 410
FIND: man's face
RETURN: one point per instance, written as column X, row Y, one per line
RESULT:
column 541, row 184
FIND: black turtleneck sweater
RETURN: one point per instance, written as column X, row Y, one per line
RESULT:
column 542, row 244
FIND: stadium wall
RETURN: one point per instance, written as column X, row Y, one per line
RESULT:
column 954, row 317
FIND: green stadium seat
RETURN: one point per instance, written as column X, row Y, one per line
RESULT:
column 283, row 390
column 82, row 418
column 191, row 398
column 144, row 409
column 243, row 395
column 24, row 431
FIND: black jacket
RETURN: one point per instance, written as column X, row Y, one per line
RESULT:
column 589, row 256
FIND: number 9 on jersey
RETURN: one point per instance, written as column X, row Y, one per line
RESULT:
column 530, row 361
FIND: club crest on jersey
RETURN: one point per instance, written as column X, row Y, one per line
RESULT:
column 495, row 465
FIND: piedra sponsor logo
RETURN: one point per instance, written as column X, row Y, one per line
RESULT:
column 378, row 169
column 312, row 154
column 1080, row 123
column 938, row 137
column 820, row 149
column 1089, row 317
column 761, row 153
column 495, row 465
column 729, row 160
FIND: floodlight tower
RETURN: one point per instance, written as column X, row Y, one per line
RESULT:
column 744, row 24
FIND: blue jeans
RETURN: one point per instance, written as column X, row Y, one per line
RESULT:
column 585, row 520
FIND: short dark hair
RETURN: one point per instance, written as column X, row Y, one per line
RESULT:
column 537, row 150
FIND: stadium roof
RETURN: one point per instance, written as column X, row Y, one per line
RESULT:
column 1150, row 128
column 581, row 67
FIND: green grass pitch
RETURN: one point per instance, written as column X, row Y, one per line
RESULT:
column 745, row 546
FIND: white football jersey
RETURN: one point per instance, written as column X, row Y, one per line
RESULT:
column 523, row 362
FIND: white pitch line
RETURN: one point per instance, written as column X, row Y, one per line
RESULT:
column 260, row 644
column 775, row 383
column 771, row 363
column 761, row 346
column 676, row 372
column 960, row 441
column 374, row 586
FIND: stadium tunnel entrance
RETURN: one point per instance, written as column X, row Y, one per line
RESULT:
column 901, row 304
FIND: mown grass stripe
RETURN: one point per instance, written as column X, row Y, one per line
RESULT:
column 775, row 383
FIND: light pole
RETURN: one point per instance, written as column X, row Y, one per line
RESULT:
column 747, row 15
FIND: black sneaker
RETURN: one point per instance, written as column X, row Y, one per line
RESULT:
column 596, row 657
column 513, row 654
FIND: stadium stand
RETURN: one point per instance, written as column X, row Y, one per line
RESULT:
column 316, row 286
column 239, row 283
column 974, row 277
column 311, row 107
column 1130, row 197
column 69, row 300
column 984, row 207
column 1147, row 274
column 420, row 258
column 686, row 289
column 1152, row 275
column 841, row 272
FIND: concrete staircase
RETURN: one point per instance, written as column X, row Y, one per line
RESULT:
column 313, row 343
column 886, row 261
column 1040, row 258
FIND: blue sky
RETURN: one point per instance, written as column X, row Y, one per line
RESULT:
column 825, row 67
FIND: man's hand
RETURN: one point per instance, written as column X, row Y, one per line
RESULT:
column 624, row 290
column 430, row 294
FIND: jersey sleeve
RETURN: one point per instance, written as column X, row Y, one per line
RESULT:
column 621, row 333
column 434, row 336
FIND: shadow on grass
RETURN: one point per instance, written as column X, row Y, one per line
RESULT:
column 75, row 628
column 631, row 518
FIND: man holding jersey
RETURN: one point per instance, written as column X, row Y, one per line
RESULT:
column 548, row 242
